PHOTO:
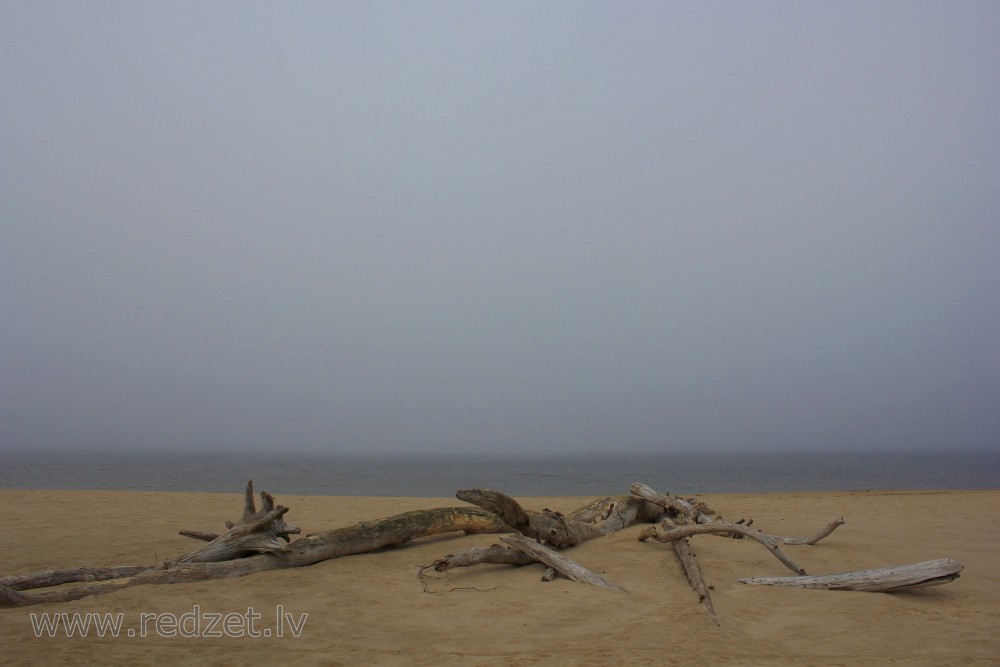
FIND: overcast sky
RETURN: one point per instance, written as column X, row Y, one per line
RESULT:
column 519, row 226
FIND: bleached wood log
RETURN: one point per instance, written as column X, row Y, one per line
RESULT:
column 884, row 579
column 565, row 566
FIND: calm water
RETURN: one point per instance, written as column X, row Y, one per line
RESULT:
column 441, row 475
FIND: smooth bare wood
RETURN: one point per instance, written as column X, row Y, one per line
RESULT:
column 883, row 579
column 813, row 539
column 682, row 548
column 666, row 533
column 565, row 566
column 745, row 531
column 683, row 512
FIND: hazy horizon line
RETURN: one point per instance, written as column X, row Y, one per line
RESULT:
column 490, row 454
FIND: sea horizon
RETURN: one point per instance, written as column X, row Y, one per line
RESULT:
column 441, row 474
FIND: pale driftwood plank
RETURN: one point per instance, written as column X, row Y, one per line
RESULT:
column 884, row 579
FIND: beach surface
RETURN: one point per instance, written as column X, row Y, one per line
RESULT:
column 375, row 609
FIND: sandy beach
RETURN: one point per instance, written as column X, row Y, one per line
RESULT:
column 373, row 608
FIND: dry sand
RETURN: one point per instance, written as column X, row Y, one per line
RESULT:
column 373, row 609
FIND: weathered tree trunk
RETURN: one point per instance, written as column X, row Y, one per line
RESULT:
column 364, row 537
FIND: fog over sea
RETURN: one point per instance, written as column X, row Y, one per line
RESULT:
column 439, row 475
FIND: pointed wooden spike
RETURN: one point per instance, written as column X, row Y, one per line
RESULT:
column 249, row 507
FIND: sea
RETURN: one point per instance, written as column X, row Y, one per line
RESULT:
column 441, row 475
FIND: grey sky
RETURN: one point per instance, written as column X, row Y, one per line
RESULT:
column 551, row 226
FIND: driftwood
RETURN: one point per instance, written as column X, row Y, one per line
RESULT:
column 669, row 534
column 46, row 578
column 682, row 512
column 603, row 517
column 558, row 562
column 552, row 527
column 255, row 532
column 599, row 518
column 682, row 549
column 261, row 540
column 364, row 537
column 881, row 580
